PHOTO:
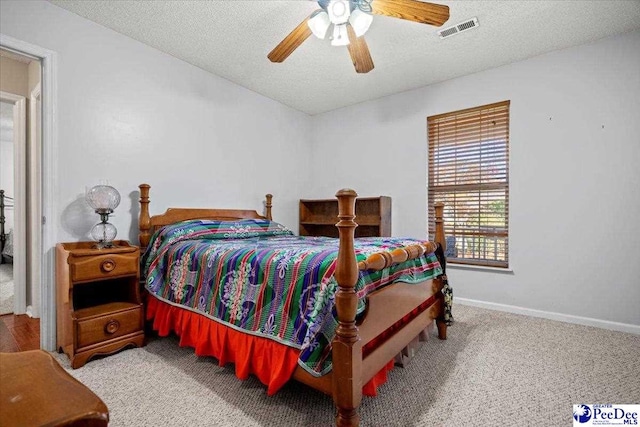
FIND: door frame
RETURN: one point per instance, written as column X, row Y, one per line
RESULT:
column 48, row 185
column 34, row 216
column 19, row 195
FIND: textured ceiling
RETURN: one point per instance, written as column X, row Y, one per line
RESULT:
column 232, row 39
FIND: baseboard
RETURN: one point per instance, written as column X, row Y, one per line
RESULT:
column 586, row 321
column 29, row 311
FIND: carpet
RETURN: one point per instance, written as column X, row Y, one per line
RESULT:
column 494, row 369
column 6, row 288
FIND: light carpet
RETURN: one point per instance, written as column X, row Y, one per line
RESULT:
column 494, row 369
column 6, row 288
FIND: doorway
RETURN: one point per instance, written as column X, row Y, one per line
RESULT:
column 20, row 194
column 12, row 143
column 45, row 281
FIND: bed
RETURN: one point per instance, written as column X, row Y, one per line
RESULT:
column 6, row 237
column 371, row 328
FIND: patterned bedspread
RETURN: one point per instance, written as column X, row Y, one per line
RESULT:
column 256, row 276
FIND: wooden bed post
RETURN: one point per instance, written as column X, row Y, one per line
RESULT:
column 267, row 206
column 144, row 223
column 346, row 351
column 440, row 238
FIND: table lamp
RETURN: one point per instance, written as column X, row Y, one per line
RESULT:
column 103, row 199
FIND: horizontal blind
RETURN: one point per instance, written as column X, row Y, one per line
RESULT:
column 469, row 173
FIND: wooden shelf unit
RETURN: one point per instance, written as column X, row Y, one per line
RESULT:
column 318, row 217
column 99, row 310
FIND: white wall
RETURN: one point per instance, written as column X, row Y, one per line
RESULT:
column 128, row 113
column 575, row 174
column 14, row 76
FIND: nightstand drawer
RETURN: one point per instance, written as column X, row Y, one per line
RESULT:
column 112, row 325
column 103, row 267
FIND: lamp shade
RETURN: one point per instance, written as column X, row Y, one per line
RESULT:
column 319, row 23
column 103, row 198
column 360, row 21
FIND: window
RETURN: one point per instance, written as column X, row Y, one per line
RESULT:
column 469, row 173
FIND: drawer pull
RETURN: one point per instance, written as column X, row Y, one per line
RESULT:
column 108, row 265
column 112, row 326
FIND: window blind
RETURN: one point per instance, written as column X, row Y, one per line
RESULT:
column 469, row 173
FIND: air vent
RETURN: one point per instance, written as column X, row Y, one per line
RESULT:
column 456, row 29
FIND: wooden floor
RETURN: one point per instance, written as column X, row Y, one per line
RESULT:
column 19, row 333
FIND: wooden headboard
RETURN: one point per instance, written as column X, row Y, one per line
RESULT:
column 149, row 224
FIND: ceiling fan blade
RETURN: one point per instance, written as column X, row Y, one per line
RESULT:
column 412, row 10
column 359, row 52
column 290, row 43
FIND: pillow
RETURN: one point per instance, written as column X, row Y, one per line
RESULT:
column 202, row 229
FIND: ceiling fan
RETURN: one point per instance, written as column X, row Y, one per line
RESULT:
column 350, row 20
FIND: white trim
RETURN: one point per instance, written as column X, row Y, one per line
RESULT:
column 35, row 204
column 560, row 317
column 19, row 200
column 49, row 190
column 454, row 266
column 49, row 182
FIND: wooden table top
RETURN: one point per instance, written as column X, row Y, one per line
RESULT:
column 36, row 391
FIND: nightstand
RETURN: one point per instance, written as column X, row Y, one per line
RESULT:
column 99, row 310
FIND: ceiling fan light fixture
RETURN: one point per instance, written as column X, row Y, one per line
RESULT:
column 319, row 23
column 360, row 21
column 351, row 19
column 340, row 35
column 339, row 11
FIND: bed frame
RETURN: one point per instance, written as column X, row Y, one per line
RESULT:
column 350, row 370
column 5, row 202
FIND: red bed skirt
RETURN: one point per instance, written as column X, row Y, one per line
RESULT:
column 273, row 363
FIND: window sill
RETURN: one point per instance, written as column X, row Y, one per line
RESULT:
column 451, row 265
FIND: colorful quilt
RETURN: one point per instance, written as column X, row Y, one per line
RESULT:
column 256, row 276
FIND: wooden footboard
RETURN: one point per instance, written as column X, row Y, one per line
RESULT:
column 350, row 370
